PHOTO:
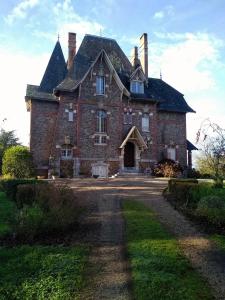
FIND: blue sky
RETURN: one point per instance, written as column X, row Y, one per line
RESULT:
column 186, row 41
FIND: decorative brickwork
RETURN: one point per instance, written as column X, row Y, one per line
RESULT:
column 66, row 135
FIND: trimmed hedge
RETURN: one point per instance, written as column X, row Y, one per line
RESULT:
column 197, row 199
column 9, row 186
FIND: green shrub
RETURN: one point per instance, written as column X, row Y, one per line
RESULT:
column 30, row 222
column 45, row 209
column 59, row 205
column 206, row 189
column 212, row 208
column 25, row 194
column 173, row 182
column 9, row 186
column 17, row 162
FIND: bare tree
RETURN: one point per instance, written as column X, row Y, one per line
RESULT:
column 211, row 137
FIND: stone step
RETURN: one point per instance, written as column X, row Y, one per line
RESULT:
column 129, row 174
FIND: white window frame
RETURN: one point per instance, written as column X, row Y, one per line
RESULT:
column 100, row 139
column 137, row 87
column 66, row 153
column 171, row 153
column 100, row 85
column 145, row 122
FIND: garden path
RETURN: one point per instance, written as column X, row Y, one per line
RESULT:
column 112, row 277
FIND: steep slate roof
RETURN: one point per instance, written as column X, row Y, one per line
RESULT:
column 190, row 146
column 167, row 98
column 55, row 71
column 90, row 48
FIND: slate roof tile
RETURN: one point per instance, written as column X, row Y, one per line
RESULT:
column 55, row 71
column 190, row 146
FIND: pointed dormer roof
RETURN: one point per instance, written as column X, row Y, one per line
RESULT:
column 55, row 71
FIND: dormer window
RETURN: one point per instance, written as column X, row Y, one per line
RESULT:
column 137, row 87
column 100, row 85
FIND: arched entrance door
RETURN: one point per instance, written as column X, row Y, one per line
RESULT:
column 129, row 155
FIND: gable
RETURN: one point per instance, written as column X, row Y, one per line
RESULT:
column 135, row 135
column 89, row 49
column 112, row 74
column 138, row 74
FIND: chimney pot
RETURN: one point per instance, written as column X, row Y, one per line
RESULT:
column 71, row 49
column 144, row 53
column 134, row 57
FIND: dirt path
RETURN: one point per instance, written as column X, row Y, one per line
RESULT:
column 111, row 270
column 109, row 275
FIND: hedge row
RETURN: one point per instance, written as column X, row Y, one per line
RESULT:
column 198, row 199
column 9, row 186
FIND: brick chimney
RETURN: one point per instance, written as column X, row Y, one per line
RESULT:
column 71, row 49
column 134, row 57
column 144, row 53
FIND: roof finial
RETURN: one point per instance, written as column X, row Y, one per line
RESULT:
column 58, row 36
column 160, row 74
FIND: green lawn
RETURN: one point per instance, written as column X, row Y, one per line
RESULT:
column 159, row 270
column 7, row 213
column 42, row 272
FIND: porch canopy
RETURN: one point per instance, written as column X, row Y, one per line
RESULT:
column 135, row 136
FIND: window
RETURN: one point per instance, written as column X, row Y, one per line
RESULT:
column 137, row 87
column 100, row 85
column 100, row 139
column 171, row 153
column 70, row 116
column 145, row 123
column 127, row 118
column 66, row 152
column 101, row 121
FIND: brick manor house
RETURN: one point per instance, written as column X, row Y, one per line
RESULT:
column 100, row 114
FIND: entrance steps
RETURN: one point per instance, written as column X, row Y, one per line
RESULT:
column 131, row 174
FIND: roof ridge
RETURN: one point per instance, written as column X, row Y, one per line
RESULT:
column 100, row 37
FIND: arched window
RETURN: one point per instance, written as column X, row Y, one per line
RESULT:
column 101, row 121
column 145, row 122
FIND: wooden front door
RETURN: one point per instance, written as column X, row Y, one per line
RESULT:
column 129, row 155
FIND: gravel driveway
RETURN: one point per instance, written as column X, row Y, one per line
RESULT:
column 108, row 265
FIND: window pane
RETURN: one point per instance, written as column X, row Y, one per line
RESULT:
column 145, row 123
column 97, row 139
column 70, row 116
column 101, row 121
column 137, row 87
column 171, row 153
column 103, row 140
column 100, row 85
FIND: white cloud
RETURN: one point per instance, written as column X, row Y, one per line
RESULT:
column 65, row 19
column 159, row 15
column 17, row 70
column 167, row 11
column 20, row 10
column 187, row 62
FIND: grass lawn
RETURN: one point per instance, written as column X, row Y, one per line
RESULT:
column 7, row 213
column 159, row 270
column 42, row 272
